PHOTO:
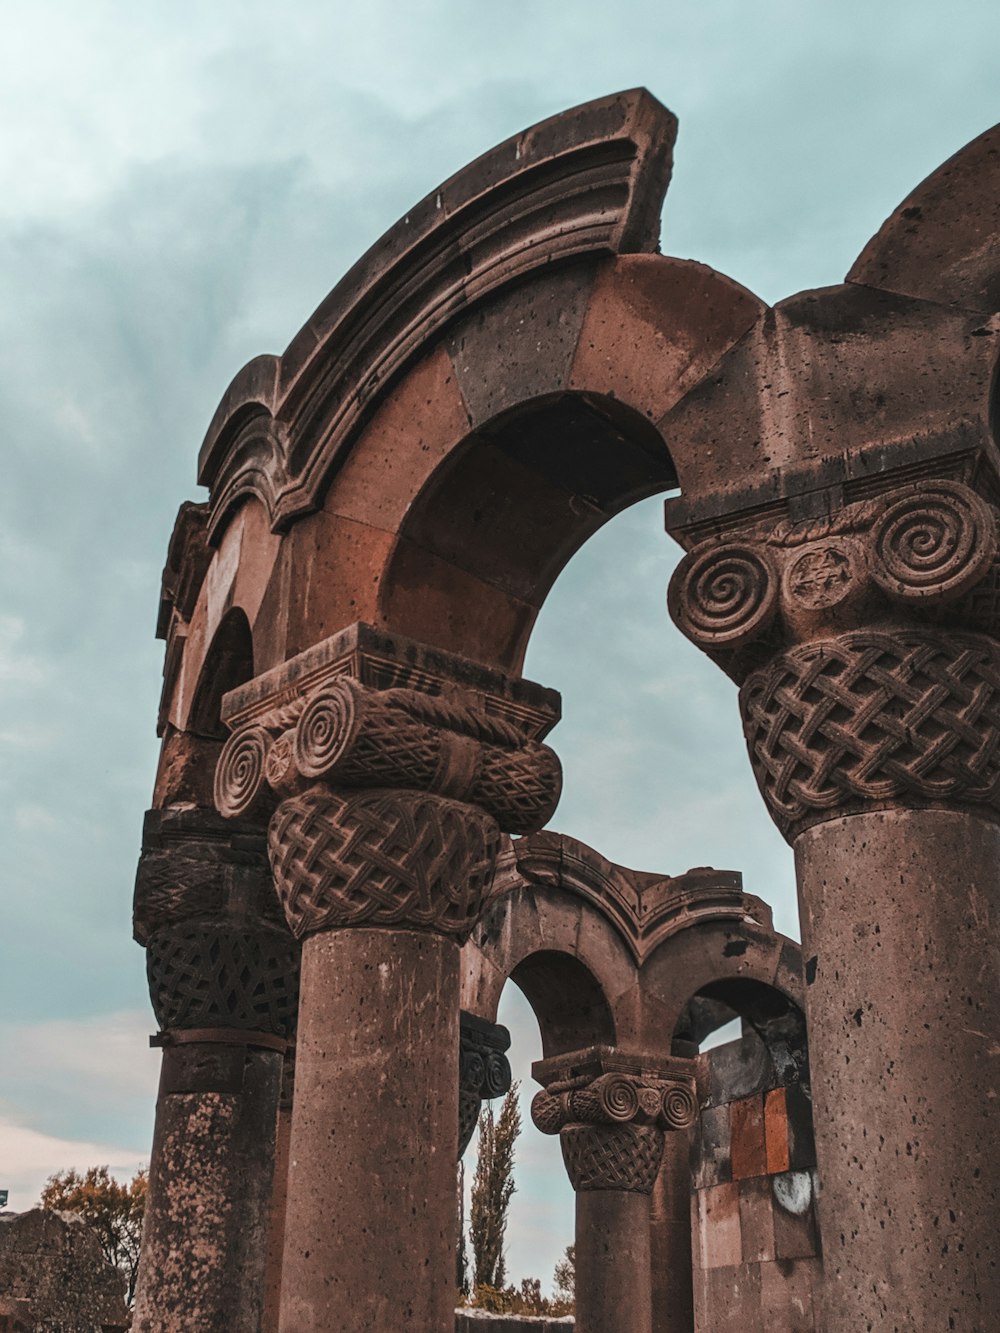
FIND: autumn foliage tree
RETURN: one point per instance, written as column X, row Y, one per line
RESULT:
column 115, row 1211
column 492, row 1188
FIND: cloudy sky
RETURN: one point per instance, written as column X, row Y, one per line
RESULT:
column 180, row 184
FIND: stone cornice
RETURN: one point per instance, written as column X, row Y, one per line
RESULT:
column 584, row 184
column 644, row 908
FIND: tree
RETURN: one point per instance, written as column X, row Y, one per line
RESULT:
column 492, row 1188
column 565, row 1276
column 115, row 1211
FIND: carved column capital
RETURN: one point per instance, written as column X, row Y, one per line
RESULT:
column 349, row 735
column 865, row 646
column 219, row 957
column 381, row 858
column 483, row 1070
column 611, row 1112
column 391, row 770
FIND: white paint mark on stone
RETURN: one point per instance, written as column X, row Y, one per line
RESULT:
column 793, row 1191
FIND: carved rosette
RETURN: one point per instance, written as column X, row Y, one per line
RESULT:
column 381, row 858
column 611, row 1127
column 483, row 1073
column 863, row 687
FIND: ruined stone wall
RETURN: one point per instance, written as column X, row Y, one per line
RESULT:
column 756, row 1248
column 54, row 1278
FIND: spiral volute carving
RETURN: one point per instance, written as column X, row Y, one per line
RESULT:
column 326, row 728
column 936, row 542
column 239, row 774
column 724, row 596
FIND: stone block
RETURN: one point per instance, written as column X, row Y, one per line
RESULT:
column 748, row 1152
column 757, row 1220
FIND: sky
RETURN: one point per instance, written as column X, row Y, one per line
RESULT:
column 180, row 185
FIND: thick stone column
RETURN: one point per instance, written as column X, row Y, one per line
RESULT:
column 866, row 645
column 383, row 847
column 223, row 975
column 610, row 1112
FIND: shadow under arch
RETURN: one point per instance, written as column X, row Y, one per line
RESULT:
column 496, row 524
column 567, row 1001
column 227, row 665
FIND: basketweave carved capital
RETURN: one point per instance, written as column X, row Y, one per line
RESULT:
column 381, row 858
column 483, row 1072
column 612, row 1157
column 873, row 719
column 195, row 866
column 611, row 1127
column 353, row 736
column 926, row 553
column 220, row 975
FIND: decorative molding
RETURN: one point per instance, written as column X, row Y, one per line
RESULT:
column 645, row 909
column 348, row 734
column 584, row 184
column 483, row 1070
column 872, row 719
column 381, row 858
column 610, row 1111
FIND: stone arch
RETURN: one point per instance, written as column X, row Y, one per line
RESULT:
column 228, row 664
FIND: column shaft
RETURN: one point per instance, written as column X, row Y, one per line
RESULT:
column 205, row 1233
column 613, row 1291
column 670, row 1240
column 276, row 1233
column 901, row 936
column 370, row 1236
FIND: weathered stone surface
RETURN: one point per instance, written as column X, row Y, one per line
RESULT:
column 371, row 1202
column 900, row 929
column 54, row 1278
column 203, row 1245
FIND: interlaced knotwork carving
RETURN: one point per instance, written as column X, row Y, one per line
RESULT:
column 221, row 976
column 611, row 1127
column 483, row 1072
column 909, row 717
column 195, row 867
column 618, row 1157
column 381, row 858
column 171, row 888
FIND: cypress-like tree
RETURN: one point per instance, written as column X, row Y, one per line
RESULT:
column 492, row 1188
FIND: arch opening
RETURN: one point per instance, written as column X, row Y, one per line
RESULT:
column 492, row 529
column 567, row 1000
column 228, row 664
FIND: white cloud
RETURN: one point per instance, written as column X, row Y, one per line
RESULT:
column 28, row 1158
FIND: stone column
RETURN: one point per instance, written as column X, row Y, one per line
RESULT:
column 223, row 976
column 383, row 847
column 610, row 1112
column 279, row 1197
column 866, row 645
column 670, row 1239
